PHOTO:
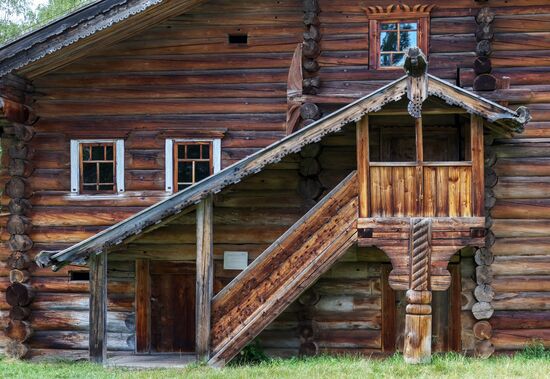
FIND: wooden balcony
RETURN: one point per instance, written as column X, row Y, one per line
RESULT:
column 420, row 189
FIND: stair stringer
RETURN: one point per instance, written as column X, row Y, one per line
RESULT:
column 333, row 230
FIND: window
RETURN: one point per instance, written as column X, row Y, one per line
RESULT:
column 97, row 166
column 394, row 29
column 395, row 38
column 190, row 161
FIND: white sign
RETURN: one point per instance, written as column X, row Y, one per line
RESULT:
column 235, row 260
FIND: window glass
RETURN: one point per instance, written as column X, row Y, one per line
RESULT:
column 97, row 173
column 193, row 163
column 396, row 37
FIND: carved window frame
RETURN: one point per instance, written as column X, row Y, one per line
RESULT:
column 396, row 13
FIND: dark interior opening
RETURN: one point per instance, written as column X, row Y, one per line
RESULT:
column 79, row 275
column 240, row 39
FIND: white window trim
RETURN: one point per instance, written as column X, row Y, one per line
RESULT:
column 75, row 162
column 169, row 157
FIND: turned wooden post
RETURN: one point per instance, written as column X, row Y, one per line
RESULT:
column 418, row 319
column 205, row 277
column 98, row 308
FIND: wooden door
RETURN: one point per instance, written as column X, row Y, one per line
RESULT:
column 446, row 327
column 172, row 306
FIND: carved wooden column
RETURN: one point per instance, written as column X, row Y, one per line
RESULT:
column 418, row 320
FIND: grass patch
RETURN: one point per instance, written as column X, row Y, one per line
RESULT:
column 523, row 365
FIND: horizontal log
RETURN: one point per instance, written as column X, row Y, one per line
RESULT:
column 19, row 294
column 482, row 310
column 519, row 283
column 483, row 330
column 18, row 187
column 520, row 246
column 521, row 301
column 520, row 338
column 117, row 322
column 521, row 320
column 79, row 340
column 19, row 331
column 19, row 206
column 18, row 225
column 521, row 265
column 520, row 228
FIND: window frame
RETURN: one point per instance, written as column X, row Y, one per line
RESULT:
column 169, row 164
column 76, row 163
column 376, row 19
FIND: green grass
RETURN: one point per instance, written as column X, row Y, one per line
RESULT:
column 530, row 364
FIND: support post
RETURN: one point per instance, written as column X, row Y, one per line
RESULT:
column 205, row 277
column 478, row 175
column 418, row 327
column 143, row 306
column 98, row 308
column 363, row 165
column 418, row 319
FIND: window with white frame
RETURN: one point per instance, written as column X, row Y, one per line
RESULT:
column 97, row 166
column 189, row 161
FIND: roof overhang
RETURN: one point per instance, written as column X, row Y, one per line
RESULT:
column 81, row 32
column 501, row 119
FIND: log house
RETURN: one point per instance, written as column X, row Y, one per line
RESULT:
column 187, row 176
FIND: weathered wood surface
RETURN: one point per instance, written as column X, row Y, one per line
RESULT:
column 239, row 315
column 205, row 277
column 448, row 236
column 98, row 308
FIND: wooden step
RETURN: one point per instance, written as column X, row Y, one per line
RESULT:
column 283, row 271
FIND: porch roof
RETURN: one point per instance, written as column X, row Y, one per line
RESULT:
column 502, row 119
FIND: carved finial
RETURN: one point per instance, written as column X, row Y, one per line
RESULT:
column 416, row 66
column 416, row 63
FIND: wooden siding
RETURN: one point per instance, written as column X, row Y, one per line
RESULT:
column 444, row 191
column 181, row 74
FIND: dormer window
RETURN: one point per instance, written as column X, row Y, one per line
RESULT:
column 394, row 29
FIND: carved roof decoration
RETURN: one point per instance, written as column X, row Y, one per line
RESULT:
column 503, row 120
column 398, row 11
column 70, row 37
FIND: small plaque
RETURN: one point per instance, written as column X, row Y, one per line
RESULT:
column 235, row 260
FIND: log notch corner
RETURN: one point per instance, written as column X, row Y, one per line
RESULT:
column 303, row 76
column 18, row 119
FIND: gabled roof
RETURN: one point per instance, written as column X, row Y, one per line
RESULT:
column 502, row 118
column 93, row 26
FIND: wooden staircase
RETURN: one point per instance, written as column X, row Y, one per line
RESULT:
column 283, row 271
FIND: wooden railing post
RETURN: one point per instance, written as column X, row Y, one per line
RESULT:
column 205, row 277
column 363, row 165
column 98, row 308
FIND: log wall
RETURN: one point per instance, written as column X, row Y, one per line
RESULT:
column 183, row 73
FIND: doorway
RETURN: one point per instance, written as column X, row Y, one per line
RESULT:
column 165, row 307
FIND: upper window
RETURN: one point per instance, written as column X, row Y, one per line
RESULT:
column 394, row 29
column 395, row 38
column 97, row 166
column 190, row 161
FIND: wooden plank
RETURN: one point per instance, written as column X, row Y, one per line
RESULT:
column 143, row 306
column 205, row 277
column 98, row 308
column 363, row 165
column 478, row 185
column 388, row 312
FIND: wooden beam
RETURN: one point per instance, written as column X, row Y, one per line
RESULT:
column 98, row 308
column 143, row 306
column 419, row 167
column 205, row 277
column 478, row 183
column 363, row 165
